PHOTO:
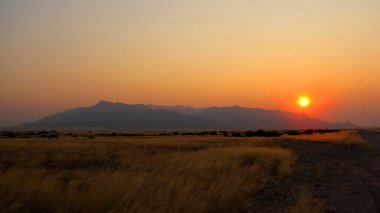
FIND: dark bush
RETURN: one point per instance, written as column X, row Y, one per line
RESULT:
column 225, row 134
column 293, row 132
column 10, row 134
column 262, row 133
column 236, row 134
column 308, row 132
column 272, row 134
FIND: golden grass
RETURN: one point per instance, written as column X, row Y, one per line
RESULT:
column 374, row 130
column 349, row 138
column 139, row 174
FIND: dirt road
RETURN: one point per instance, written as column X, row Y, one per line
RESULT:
column 342, row 178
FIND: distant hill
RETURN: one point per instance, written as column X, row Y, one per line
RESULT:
column 107, row 115
column 254, row 118
column 186, row 110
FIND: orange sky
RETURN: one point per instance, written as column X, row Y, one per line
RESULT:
column 63, row 54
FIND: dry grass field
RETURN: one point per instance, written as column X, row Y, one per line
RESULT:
column 349, row 138
column 158, row 173
column 142, row 174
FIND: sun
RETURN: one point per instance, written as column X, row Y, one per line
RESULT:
column 303, row 101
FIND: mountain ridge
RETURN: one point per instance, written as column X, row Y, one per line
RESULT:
column 109, row 115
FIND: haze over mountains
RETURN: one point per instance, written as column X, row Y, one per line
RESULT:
column 108, row 115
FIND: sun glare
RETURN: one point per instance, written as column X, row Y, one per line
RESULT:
column 303, row 101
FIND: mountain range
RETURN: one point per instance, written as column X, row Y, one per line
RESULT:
column 108, row 115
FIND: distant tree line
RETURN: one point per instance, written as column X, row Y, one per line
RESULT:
column 225, row 133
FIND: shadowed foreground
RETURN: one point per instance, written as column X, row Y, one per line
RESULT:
column 300, row 173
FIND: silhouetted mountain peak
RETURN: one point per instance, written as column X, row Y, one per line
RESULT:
column 109, row 115
column 104, row 103
column 107, row 105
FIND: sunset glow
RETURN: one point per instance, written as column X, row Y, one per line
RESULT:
column 65, row 54
column 190, row 106
column 304, row 101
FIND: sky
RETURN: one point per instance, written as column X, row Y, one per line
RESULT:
column 56, row 55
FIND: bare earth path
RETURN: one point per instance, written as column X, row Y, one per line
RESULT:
column 344, row 179
column 371, row 175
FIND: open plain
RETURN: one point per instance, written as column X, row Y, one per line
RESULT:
column 312, row 171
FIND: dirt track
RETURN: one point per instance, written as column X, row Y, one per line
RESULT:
column 343, row 179
column 370, row 172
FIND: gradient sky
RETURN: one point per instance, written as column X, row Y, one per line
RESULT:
column 58, row 54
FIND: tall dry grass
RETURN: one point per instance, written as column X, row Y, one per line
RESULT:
column 141, row 174
column 348, row 138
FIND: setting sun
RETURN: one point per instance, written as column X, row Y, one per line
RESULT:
column 190, row 106
column 303, row 101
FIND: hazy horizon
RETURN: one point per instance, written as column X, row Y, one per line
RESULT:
column 155, row 105
column 58, row 55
